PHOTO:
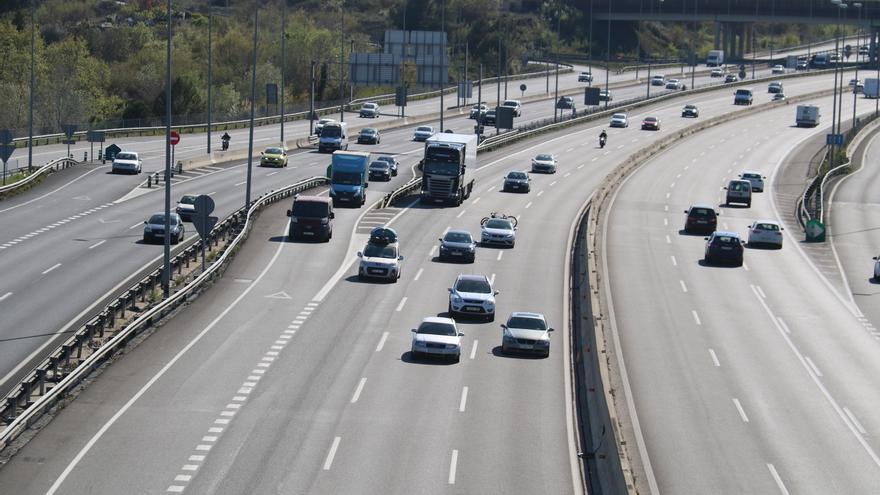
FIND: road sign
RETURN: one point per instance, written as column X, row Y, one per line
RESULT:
column 400, row 96
column 271, row 94
column 5, row 136
column 522, row 87
column 591, row 96
column 466, row 89
column 175, row 138
column 815, row 231
column 504, row 117
column 834, row 139
column 6, row 151
column 95, row 136
column 69, row 130
column 110, row 152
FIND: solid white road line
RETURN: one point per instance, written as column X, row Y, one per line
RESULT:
column 330, row 455
column 714, row 358
column 474, row 349
column 357, row 391
column 93, row 246
column 382, row 341
column 402, row 302
column 418, row 274
column 452, row 466
column 56, row 265
column 813, row 366
column 742, row 412
column 856, row 423
column 761, row 292
column 463, row 402
column 4, row 296
column 777, row 479
column 696, row 317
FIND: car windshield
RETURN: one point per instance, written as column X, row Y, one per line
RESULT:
column 188, row 200
column 690, row 107
column 369, row 106
column 739, row 186
column 726, row 240
column 379, row 165
column 478, row 286
column 126, row 156
column 743, row 92
column 332, row 131
column 368, row 131
column 424, row 129
column 274, row 151
column 380, row 251
column 510, row 103
column 619, row 116
column 441, row 168
column 516, row 175
column 767, row 226
column 348, row 178
column 457, row 237
column 702, row 212
column 651, row 119
column 498, row 223
column 527, row 323
column 751, row 176
column 325, row 121
column 159, row 219
column 544, row 158
column 310, row 209
column 433, row 328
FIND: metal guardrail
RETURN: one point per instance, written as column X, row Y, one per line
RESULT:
column 403, row 191
column 57, row 164
column 68, row 365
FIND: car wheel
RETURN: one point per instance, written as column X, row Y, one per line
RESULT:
column 413, row 354
column 707, row 260
column 504, row 349
column 473, row 258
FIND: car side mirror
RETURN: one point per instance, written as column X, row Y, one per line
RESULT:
column 874, row 258
column 725, row 188
column 497, row 292
column 332, row 215
column 550, row 330
column 685, row 211
column 781, row 229
column 400, row 258
column 705, row 238
column 504, row 326
column 450, row 290
column 145, row 222
column 289, row 212
column 413, row 330
column 360, row 254
column 440, row 239
column 366, row 185
column 461, row 334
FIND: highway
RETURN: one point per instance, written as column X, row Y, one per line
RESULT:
column 291, row 376
column 86, row 224
column 756, row 379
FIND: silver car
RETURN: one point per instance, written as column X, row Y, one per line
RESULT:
column 370, row 110
column 154, row 228
column 755, row 179
column 472, row 295
column 126, row 162
column 526, row 332
column 544, row 163
column 458, row 245
column 499, row 231
column 423, row 132
column 436, row 336
column 619, row 120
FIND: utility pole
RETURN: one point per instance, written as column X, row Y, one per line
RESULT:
column 33, row 87
column 210, row 104
column 608, row 62
column 341, row 56
column 247, row 197
column 166, row 265
column 442, row 81
column 312, row 101
column 283, row 65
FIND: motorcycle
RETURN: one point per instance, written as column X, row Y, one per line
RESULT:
column 225, row 144
column 602, row 140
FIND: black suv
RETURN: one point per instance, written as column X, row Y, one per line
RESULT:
column 701, row 218
column 724, row 247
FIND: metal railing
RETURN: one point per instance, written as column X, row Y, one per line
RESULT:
column 89, row 346
column 52, row 166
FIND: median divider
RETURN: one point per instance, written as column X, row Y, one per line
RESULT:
column 104, row 336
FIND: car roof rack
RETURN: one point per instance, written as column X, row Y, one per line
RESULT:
column 383, row 236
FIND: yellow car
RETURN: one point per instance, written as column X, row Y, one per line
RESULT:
column 273, row 157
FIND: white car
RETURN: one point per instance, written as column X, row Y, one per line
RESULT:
column 778, row 69
column 320, row 125
column 438, row 336
column 658, row 80
column 673, row 84
column 477, row 110
column 754, row 178
column 126, row 162
column 585, row 77
column 527, row 332
column 876, row 269
column 544, row 163
column 472, row 295
column 186, row 207
column 370, row 110
column 619, row 120
column 499, row 231
column 765, row 232
column 381, row 256
column 515, row 105
column 423, row 132
column 717, row 72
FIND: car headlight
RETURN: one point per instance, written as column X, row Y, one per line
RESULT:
column 452, row 346
column 543, row 343
column 456, row 298
column 148, row 229
column 509, row 235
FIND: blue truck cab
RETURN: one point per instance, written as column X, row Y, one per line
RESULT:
column 348, row 177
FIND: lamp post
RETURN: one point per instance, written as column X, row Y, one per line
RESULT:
column 166, row 257
column 210, row 101
column 608, row 56
column 834, row 109
column 856, row 5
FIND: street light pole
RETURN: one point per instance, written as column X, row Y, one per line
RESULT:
column 443, row 80
column 341, row 56
column 33, row 87
column 166, row 264
column 608, row 58
column 857, row 5
column 210, row 104
column 247, row 196
column 283, row 64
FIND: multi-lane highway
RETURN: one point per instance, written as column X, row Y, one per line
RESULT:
column 752, row 379
column 291, row 376
column 85, row 225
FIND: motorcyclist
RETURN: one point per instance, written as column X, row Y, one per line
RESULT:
column 603, row 137
column 225, row 138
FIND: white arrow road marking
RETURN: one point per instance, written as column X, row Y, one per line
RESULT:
column 279, row 295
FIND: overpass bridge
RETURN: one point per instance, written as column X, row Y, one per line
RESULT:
column 734, row 19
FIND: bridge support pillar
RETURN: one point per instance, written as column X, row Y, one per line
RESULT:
column 717, row 44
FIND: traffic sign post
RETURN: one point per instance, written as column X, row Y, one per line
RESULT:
column 522, row 89
column 95, row 137
column 204, row 223
column 834, row 139
column 69, row 130
column 815, row 231
column 174, row 137
column 6, row 149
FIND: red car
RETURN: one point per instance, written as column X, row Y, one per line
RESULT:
column 651, row 123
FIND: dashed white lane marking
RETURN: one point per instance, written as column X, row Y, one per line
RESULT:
column 855, row 421
column 696, row 317
column 777, row 479
column 528, row 205
column 683, row 286
column 4, row 296
column 461, row 213
column 500, row 254
column 382, row 341
column 452, row 466
column 418, row 273
column 667, row 195
column 474, row 349
column 745, row 266
column 674, row 263
column 714, row 358
column 742, row 412
column 240, row 183
column 672, row 186
column 175, row 489
column 476, row 201
column 463, row 402
column 271, row 174
column 668, row 239
column 665, row 222
column 330, row 455
column 553, row 183
column 93, row 246
column 47, row 270
column 580, row 166
column 566, row 175
column 539, row 194
column 402, row 303
column 594, row 158
column 136, row 225
column 432, row 251
column 358, row 390
column 492, row 279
